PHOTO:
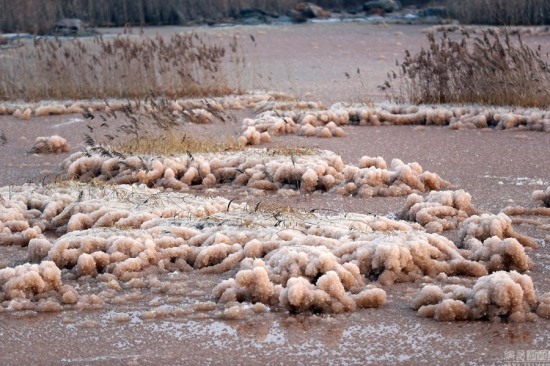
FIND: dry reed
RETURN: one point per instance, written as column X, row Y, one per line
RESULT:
column 151, row 127
column 126, row 67
column 500, row 12
column 487, row 69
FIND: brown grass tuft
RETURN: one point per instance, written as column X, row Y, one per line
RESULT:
column 174, row 143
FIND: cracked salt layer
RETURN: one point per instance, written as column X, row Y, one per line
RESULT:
column 519, row 181
column 413, row 339
column 98, row 359
column 128, row 317
column 69, row 122
column 192, row 329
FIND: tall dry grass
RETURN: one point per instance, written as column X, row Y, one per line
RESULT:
column 185, row 65
column 500, row 12
column 489, row 69
column 41, row 15
column 150, row 127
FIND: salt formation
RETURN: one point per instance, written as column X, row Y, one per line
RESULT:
column 543, row 196
column 497, row 254
column 196, row 107
column 25, row 115
column 308, row 123
column 543, row 309
column 27, row 211
column 310, row 118
column 289, row 260
column 28, row 280
column 290, row 275
column 477, row 229
column 48, row 110
column 327, row 122
column 287, row 105
column 499, row 296
column 260, row 169
column 439, row 211
column 300, row 278
column 131, row 232
column 51, row 144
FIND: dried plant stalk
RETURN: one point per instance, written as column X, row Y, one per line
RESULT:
column 486, row 70
column 125, row 67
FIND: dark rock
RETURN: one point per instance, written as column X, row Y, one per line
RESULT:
column 253, row 16
column 252, row 13
column 385, row 6
column 309, row 10
column 296, row 16
column 433, row 12
column 70, row 26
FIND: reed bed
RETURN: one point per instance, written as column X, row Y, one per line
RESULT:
column 489, row 68
column 185, row 65
column 500, row 12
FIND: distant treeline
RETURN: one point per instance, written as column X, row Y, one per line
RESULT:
column 41, row 15
column 500, row 12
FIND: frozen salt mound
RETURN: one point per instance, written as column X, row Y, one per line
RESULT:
column 408, row 257
column 508, row 296
column 298, row 261
column 199, row 116
column 25, row 214
column 27, row 211
column 46, row 108
column 52, row 144
column 521, row 211
column 439, row 211
column 454, row 117
column 311, row 121
column 311, row 278
column 283, row 105
column 27, row 280
column 327, row 287
column 274, row 124
column 133, row 231
column 543, row 196
column 497, row 254
column 543, row 309
column 258, row 169
column 162, row 244
column 479, row 228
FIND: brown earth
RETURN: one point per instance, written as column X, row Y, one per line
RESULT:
column 498, row 168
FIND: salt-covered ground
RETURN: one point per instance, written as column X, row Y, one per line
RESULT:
column 151, row 300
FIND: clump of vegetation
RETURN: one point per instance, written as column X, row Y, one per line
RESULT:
column 500, row 12
column 151, row 127
column 485, row 70
column 175, row 144
column 185, row 65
